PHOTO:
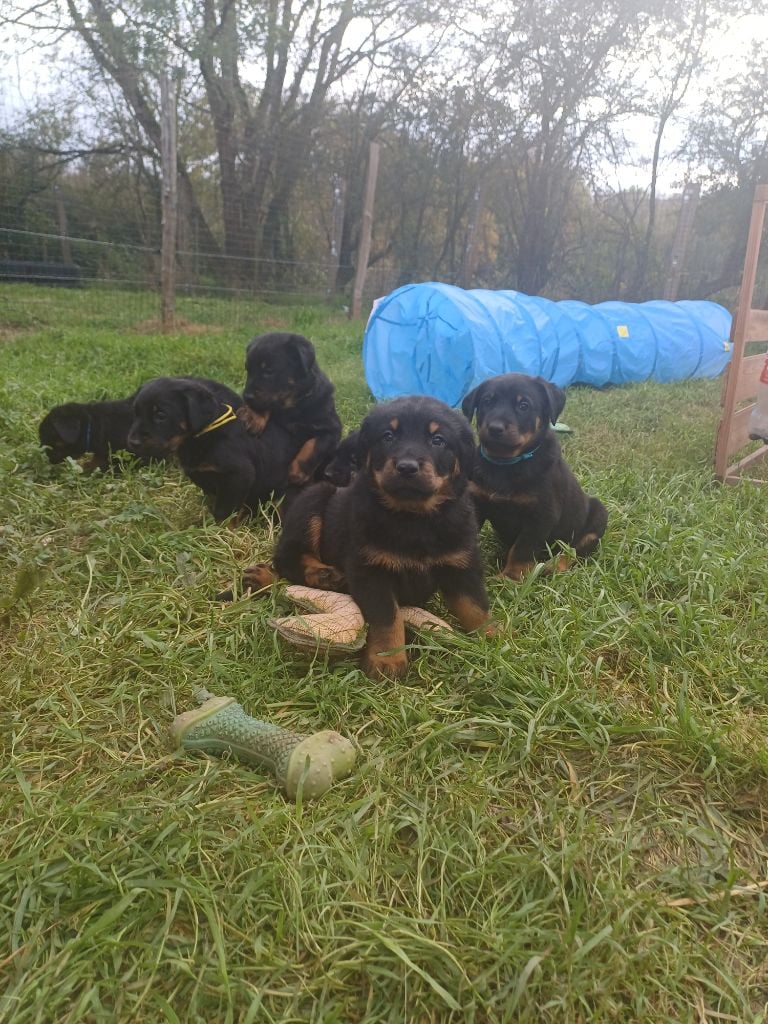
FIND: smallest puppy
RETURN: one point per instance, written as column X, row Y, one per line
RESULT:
column 343, row 465
column 520, row 482
column 101, row 428
column 285, row 384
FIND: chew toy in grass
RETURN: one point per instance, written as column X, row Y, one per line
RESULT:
column 220, row 725
column 336, row 623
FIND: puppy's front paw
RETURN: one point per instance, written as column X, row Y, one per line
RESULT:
column 324, row 577
column 255, row 578
column 297, row 474
column 385, row 666
column 259, row 576
column 254, row 422
column 517, row 570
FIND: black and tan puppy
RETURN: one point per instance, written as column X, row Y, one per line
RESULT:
column 284, row 384
column 196, row 420
column 520, row 482
column 343, row 464
column 98, row 428
column 403, row 529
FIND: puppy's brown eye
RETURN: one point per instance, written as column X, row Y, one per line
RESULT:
column 265, row 371
column 387, row 436
column 439, row 441
column 523, row 406
column 486, row 400
column 159, row 416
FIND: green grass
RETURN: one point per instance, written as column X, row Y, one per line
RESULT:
column 564, row 824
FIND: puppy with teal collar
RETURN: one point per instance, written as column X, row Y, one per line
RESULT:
column 520, row 482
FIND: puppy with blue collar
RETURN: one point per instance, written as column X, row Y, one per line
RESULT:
column 520, row 482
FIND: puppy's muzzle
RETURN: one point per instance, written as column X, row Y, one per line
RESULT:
column 141, row 442
column 499, row 436
column 408, row 476
column 407, row 467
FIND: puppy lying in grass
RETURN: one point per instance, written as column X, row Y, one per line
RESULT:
column 96, row 428
column 520, row 482
column 197, row 421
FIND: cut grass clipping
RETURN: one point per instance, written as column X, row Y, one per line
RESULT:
column 569, row 823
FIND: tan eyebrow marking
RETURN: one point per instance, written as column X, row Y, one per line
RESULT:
column 434, row 426
column 394, row 423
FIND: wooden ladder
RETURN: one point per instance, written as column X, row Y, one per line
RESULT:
column 741, row 379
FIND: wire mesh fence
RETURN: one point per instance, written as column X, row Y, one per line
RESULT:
column 99, row 228
column 114, row 244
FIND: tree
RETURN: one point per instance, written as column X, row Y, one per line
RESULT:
column 728, row 136
column 558, row 74
column 262, row 127
column 678, row 49
column 261, row 73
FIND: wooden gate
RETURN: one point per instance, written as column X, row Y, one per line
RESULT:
column 741, row 380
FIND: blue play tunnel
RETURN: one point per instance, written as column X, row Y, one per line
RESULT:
column 436, row 339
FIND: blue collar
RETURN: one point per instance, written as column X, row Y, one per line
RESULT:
column 88, row 435
column 508, row 462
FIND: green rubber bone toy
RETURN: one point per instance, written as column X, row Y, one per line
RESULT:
column 220, row 725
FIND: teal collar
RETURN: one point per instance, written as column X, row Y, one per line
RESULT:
column 509, row 462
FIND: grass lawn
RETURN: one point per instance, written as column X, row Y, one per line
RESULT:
column 569, row 823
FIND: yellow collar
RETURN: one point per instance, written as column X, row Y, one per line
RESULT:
column 226, row 417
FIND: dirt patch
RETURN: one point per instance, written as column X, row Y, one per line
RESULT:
column 181, row 326
column 11, row 332
column 272, row 323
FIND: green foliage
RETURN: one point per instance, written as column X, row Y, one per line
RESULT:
column 565, row 824
column 508, row 141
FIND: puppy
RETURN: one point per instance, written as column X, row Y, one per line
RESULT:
column 520, row 482
column 403, row 529
column 343, row 465
column 284, row 384
column 196, row 420
column 101, row 428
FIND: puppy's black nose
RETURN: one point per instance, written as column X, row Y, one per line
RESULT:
column 495, row 428
column 407, row 467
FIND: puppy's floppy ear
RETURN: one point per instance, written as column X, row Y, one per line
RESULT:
column 470, row 402
column 464, row 449
column 349, row 446
column 67, row 424
column 361, row 442
column 304, row 353
column 364, row 439
column 202, row 406
column 344, row 462
column 555, row 397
